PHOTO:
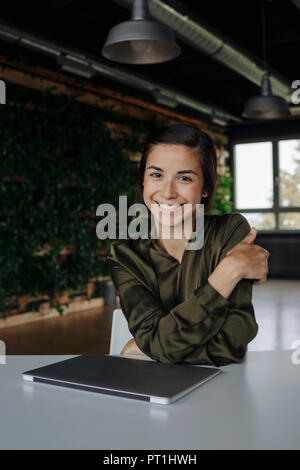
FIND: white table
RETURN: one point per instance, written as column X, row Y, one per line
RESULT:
column 252, row 405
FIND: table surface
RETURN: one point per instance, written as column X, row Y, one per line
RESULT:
column 251, row 405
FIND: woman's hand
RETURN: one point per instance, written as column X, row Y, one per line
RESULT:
column 131, row 348
column 249, row 260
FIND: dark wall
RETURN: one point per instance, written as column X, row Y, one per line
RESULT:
column 284, row 260
column 254, row 131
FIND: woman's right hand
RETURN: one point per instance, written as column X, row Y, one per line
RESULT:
column 250, row 260
column 132, row 348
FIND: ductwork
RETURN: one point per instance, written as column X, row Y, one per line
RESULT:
column 84, row 65
column 297, row 3
column 208, row 40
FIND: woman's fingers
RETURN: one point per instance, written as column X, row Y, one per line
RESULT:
column 131, row 348
column 128, row 346
column 261, row 281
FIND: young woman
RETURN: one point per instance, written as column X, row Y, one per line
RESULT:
column 187, row 305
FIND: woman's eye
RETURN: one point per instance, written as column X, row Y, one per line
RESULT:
column 186, row 178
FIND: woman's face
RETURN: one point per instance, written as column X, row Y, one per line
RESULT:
column 173, row 177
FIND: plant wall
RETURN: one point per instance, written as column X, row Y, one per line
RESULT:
column 59, row 161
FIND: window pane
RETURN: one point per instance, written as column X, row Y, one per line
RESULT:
column 262, row 221
column 289, row 221
column 289, row 172
column 253, row 176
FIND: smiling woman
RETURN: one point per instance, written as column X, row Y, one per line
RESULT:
column 187, row 306
column 171, row 195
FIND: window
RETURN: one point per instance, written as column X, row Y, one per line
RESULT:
column 267, row 183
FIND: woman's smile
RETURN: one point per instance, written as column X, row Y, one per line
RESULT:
column 168, row 207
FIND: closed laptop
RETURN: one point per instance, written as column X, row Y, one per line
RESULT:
column 147, row 380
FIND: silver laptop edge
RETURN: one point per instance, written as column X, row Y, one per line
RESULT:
column 153, row 399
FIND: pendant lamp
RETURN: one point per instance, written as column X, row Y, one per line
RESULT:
column 267, row 105
column 140, row 40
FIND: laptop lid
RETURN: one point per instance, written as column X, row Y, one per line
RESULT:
column 146, row 380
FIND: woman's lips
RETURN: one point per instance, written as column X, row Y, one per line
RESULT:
column 168, row 207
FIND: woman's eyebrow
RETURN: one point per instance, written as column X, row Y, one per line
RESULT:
column 178, row 172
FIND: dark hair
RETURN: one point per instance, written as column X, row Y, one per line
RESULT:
column 193, row 137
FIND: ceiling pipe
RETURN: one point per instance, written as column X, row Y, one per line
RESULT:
column 117, row 73
column 201, row 36
column 296, row 3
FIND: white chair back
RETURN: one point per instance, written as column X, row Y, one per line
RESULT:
column 120, row 333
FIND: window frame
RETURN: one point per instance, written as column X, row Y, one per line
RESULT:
column 276, row 209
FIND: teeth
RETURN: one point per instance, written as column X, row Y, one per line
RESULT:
column 166, row 206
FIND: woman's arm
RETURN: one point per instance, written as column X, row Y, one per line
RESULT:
column 243, row 261
column 207, row 328
column 223, row 279
column 169, row 336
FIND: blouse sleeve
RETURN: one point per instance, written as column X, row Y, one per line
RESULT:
column 240, row 327
column 206, row 328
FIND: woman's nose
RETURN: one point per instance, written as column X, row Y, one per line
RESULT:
column 169, row 190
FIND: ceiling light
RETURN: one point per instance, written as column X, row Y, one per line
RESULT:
column 141, row 40
column 266, row 106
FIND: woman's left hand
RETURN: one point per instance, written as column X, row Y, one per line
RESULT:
column 131, row 348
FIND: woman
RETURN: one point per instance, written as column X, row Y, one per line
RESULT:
column 187, row 305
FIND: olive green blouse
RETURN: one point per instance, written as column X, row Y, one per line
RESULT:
column 173, row 312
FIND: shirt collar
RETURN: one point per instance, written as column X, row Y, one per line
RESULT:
column 151, row 241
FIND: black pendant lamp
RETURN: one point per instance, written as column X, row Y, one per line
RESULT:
column 267, row 105
column 141, row 40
